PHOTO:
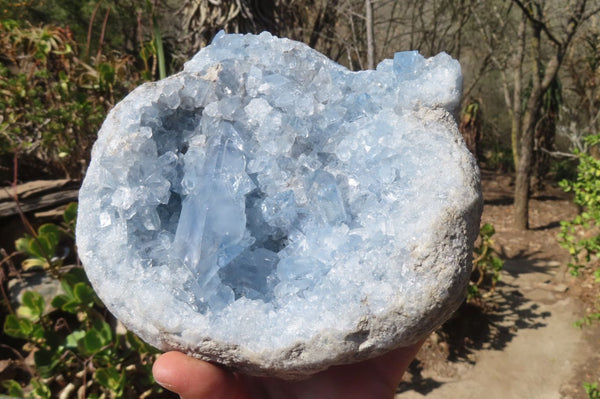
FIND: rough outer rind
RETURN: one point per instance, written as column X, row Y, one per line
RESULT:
column 444, row 257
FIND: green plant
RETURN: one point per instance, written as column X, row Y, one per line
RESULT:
column 51, row 102
column 157, row 39
column 487, row 265
column 581, row 235
column 471, row 126
column 592, row 390
column 73, row 339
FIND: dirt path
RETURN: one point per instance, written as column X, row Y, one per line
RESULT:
column 526, row 346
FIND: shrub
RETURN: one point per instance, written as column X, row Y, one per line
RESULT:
column 51, row 102
column 76, row 345
column 581, row 236
column 486, row 266
column 592, row 390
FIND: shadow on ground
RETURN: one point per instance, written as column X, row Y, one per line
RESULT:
column 417, row 382
column 488, row 324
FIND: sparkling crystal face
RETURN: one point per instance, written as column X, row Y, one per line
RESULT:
column 267, row 194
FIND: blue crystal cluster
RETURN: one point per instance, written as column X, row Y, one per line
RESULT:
column 268, row 189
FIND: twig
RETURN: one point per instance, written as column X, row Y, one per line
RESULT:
column 6, row 258
column 541, row 24
column 559, row 154
column 16, row 198
column 24, row 219
column 89, row 35
column 102, row 33
column 21, row 358
column 4, row 295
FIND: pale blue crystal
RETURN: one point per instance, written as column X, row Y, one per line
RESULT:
column 266, row 195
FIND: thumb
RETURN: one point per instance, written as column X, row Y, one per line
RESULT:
column 192, row 378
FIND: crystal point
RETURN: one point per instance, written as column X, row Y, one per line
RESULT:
column 272, row 211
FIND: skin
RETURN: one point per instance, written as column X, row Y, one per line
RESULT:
column 371, row 379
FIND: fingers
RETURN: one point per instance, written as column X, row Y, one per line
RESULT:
column 374, row 378
column 195, row 379
column 395, row 363
column 192, row 378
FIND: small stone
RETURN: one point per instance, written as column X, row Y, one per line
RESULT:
column 269, row 210
column 41, row 283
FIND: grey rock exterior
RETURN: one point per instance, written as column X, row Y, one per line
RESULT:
column 389, row 284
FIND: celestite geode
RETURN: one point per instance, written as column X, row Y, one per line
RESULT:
column 269, row 210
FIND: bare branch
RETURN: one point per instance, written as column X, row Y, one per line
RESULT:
column 538, row 22
column 590, row 14
column 559, row 154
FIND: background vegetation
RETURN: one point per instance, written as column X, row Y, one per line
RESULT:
column 531, row 106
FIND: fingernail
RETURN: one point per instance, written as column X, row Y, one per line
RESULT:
column 164, row 385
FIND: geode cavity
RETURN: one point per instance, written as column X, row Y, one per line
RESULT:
column 269, row 210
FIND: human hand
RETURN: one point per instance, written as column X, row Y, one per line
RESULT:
column 371, row 379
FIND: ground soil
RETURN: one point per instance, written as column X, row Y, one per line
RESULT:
column 522, row 342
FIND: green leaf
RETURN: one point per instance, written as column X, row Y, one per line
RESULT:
column 104, row 330
column 26, row 327
column 111, row 379
column 17, row 327
column 93, row 342
column 40, row 389
column 472, row 291
column 71, row 307
column 497, row 263
column 74, row 276
column 13, row 388
column 106, row 73
column 34, row 302
column 22, row 244
column 40, row 248
column 70, row 214
column 25, row 313
column 72, row 340
column 10, row 24
column 46, row 361
column 134, row 342
column 103, row 378
column 67, row 288
column 592, row 390
column 52, row 234
column 84, row 293
column 487, row 230
column 37, row 332
column 34, row 262
column 59, row 301
column 12, row 327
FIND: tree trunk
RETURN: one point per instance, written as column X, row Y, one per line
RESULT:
column 515, row 111
column 522, row 186
column 324, row 26
column 541, row 81
column 545, row 133
column 526, row 142
column 370, row 34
